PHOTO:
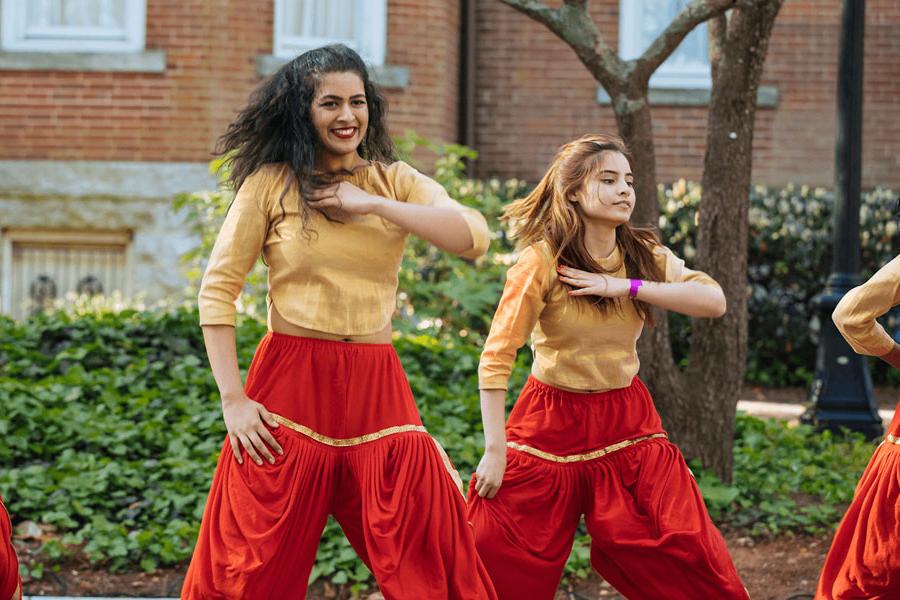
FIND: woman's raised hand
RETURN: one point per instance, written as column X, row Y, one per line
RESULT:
column 593, row 284
column 343, row 197
column 246, row 420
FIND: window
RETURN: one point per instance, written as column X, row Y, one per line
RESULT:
column 73, row 25
column 302, row 25
column 641, row 21
column 41, row 267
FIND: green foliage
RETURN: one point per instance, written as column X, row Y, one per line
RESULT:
column 112, row 427
column 444, row 295
column 336, row 561
column 786, row 478
column 788, row 262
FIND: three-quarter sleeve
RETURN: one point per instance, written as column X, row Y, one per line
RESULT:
column 856, row 312
column 676, row 271
column 238, row 246
column 520, row 308
column 417, row 188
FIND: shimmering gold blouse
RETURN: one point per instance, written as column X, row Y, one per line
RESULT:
column 575, row 346
column 856, row 312
column 343, row 279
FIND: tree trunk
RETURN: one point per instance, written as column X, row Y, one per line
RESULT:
column 719, row 346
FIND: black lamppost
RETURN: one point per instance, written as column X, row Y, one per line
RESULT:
column 842, row 390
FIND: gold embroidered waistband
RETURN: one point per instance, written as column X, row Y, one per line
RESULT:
column 571, row 458
column 344, row 442
column 371, row 437
column 891, row 439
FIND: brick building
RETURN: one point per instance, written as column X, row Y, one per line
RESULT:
column 110, row 107
column 533, row 93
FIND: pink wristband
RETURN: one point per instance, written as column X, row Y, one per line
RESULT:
column 635, row 284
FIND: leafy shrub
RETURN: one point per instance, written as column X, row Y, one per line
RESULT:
column 789, row 260
column 786, row 478
column 112, row 427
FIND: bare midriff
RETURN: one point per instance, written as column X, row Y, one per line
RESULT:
column 281, row 325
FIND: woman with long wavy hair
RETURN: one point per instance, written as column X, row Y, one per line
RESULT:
column 584, row 438
column 326, row 423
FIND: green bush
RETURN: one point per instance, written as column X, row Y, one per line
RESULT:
column 786, row 478
column 789, row 260
column 112, row 427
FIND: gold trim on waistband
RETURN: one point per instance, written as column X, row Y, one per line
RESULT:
column 891, row 439
column 451, row 470
column 371, row 437
column 571, row 458
column 344, row 442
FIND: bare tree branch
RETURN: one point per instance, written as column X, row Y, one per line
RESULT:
column 573, row 24
column 535, row 9
column 662, row 47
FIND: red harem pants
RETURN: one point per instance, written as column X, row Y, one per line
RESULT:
column 354, row 448
column 605, row 456
column 9, row 563
column 864, row 559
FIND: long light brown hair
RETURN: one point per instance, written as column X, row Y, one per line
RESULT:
column 549, row 214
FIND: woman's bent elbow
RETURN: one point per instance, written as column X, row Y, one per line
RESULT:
column 723, row 307
column 718, row 308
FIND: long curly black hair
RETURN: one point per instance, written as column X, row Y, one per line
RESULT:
column 276, row 125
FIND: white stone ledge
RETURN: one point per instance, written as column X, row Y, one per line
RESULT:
column 148, row 180
column 153, row 61
column 766, row 96
column 387, row 76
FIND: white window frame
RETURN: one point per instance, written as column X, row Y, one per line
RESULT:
column 666, row 76
column 9, row 238
column 16, row 37
column 371, row 25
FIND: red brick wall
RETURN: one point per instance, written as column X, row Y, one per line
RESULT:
column 211, row 50
column 424, row 36
column 534, row 94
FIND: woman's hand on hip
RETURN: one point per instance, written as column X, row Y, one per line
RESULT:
column 593, row 284
column 489, row 474
column 246, row 420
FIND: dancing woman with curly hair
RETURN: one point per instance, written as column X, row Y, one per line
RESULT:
column 326, row 423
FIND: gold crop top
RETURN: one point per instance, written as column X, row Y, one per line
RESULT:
column 343, row 279
column 574, row 345
column 856, row 312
